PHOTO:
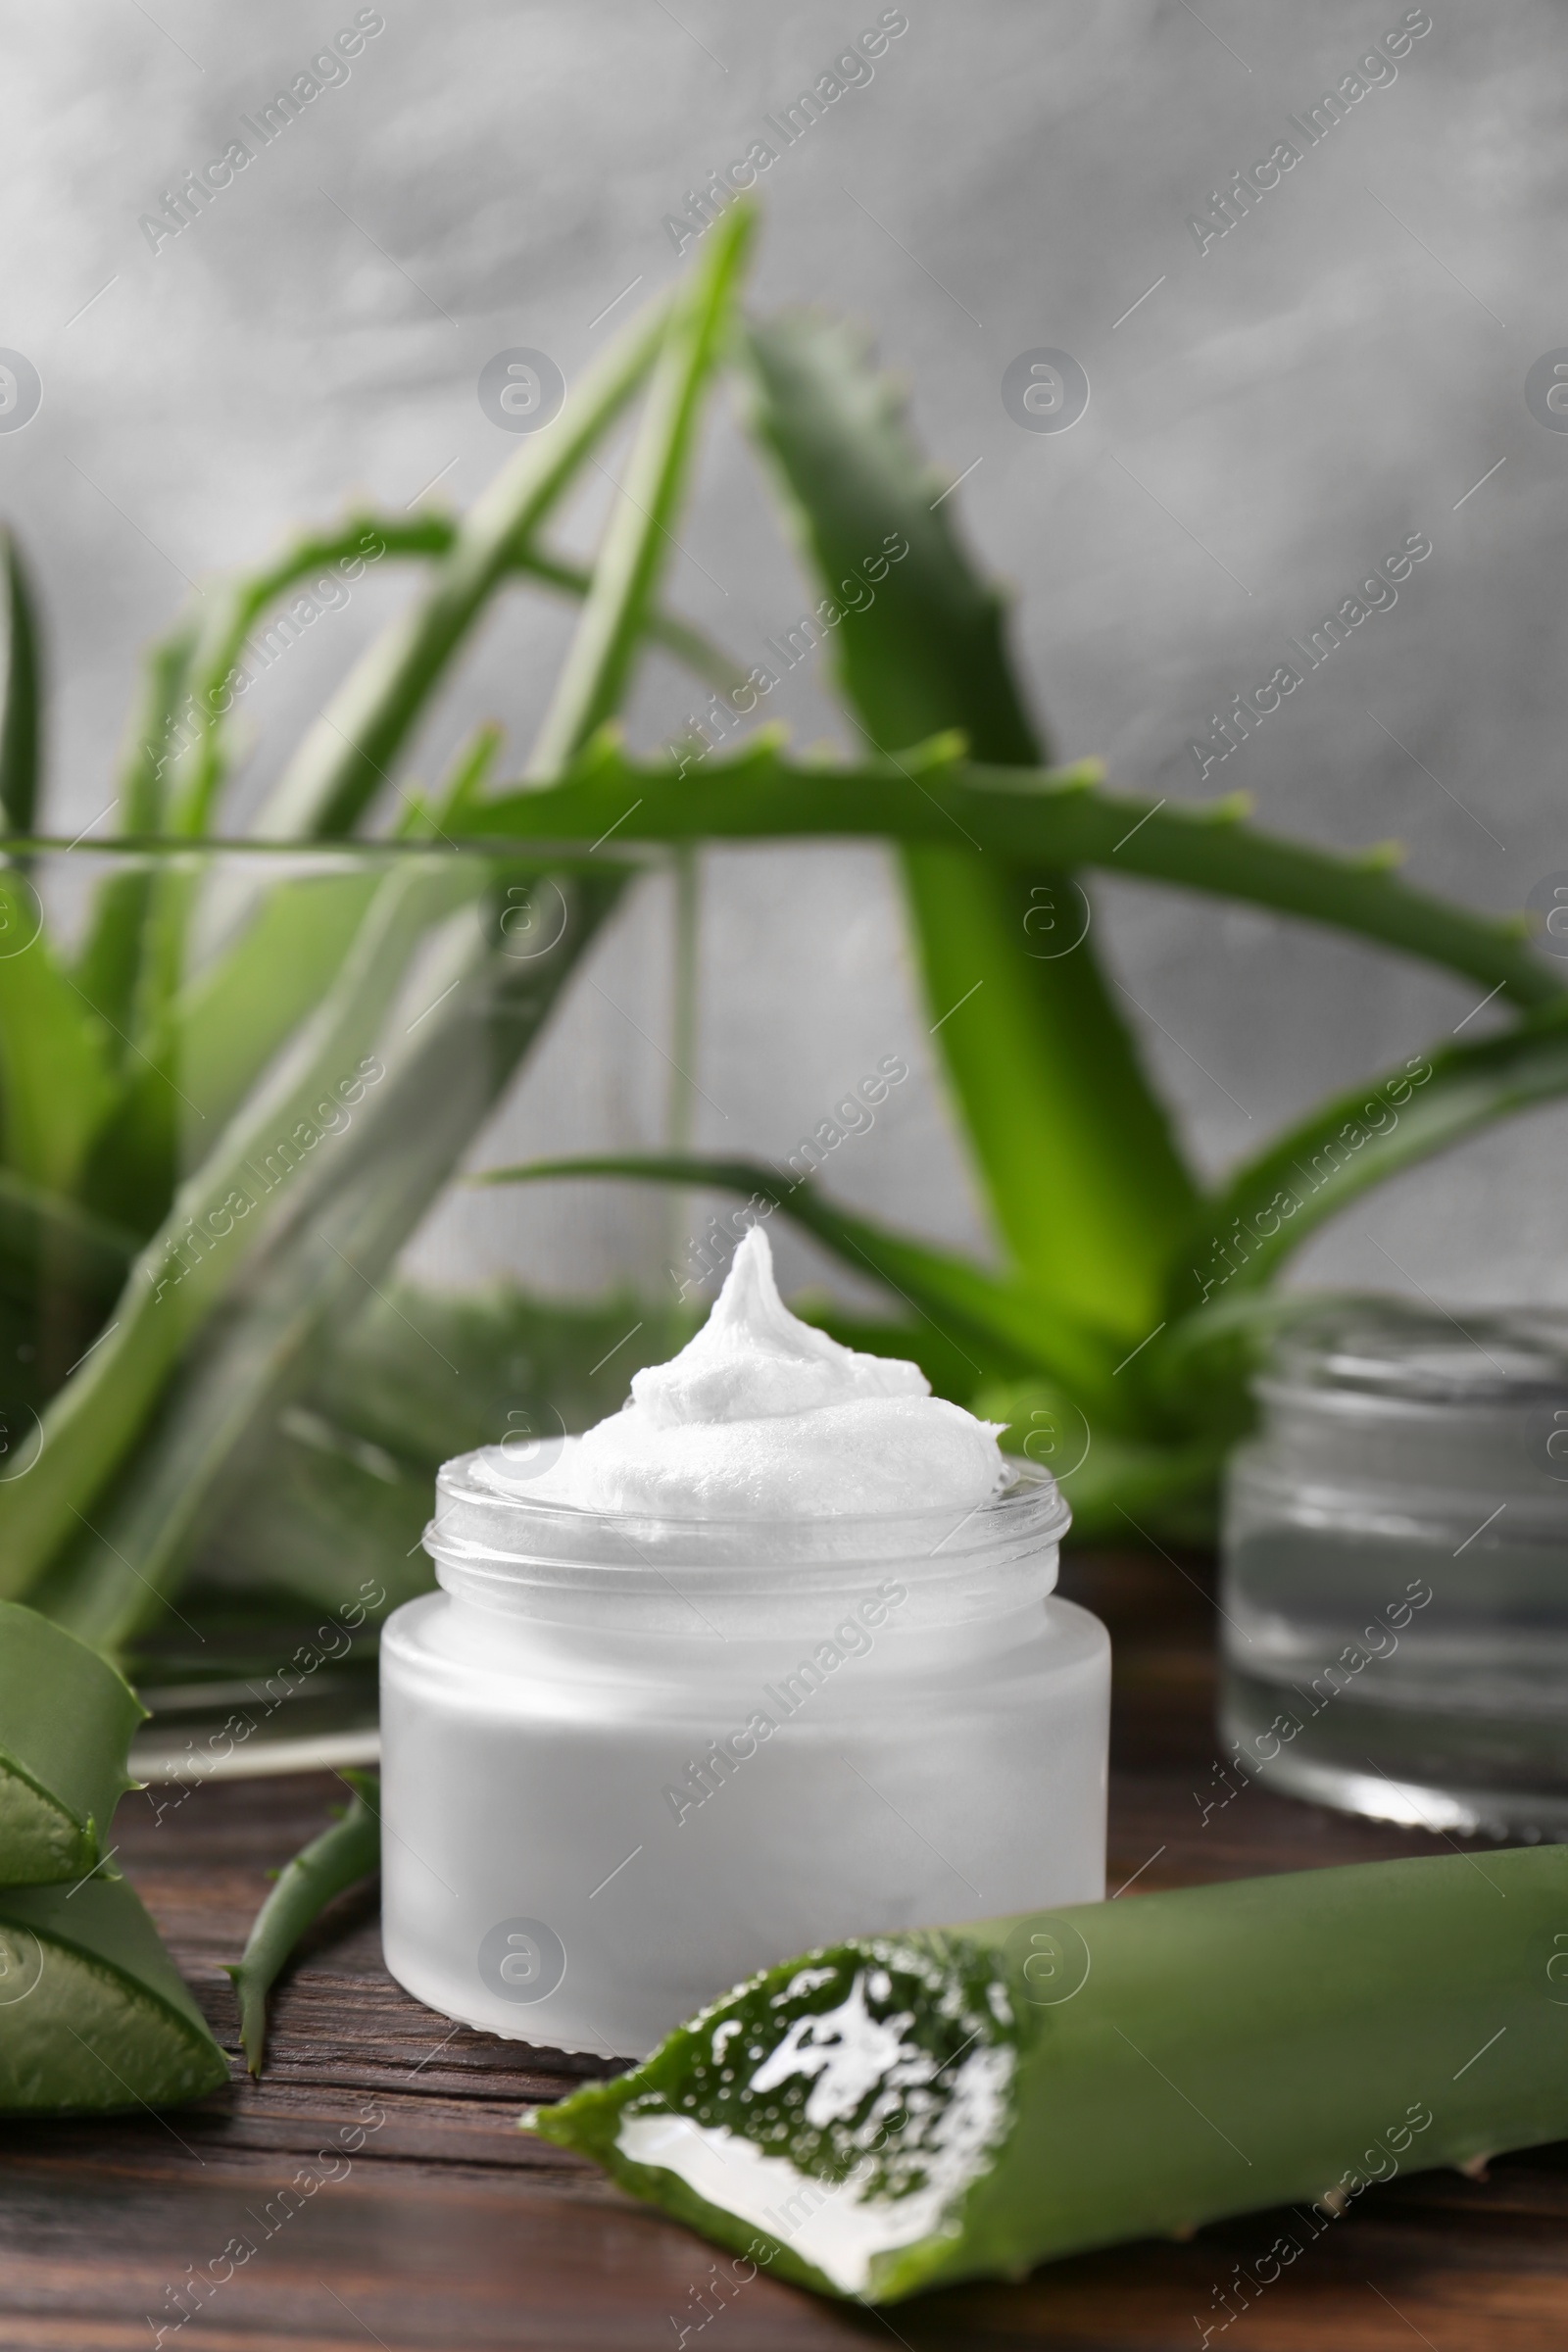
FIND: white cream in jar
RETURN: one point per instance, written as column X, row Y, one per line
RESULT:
column 768, row 1657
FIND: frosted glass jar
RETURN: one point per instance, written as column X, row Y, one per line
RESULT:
column 625, row 1762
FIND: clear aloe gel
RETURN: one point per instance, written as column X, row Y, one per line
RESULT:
column 771, row 1655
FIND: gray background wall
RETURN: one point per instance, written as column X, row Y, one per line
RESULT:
column 1336, row 373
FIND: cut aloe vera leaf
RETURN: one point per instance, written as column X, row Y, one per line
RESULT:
column 900, row 2110
column 348, row 1852
column 66, row 1723
column 93, row 2014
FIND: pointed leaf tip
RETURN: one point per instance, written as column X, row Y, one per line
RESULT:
column 947, row 749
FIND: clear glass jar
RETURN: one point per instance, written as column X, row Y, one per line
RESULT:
column 1396, row 1569
column 625, row 1761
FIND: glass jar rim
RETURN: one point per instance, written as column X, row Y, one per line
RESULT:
column 1379, row 1350
column 514, row 1539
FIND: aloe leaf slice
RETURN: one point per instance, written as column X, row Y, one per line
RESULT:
column 348, row 1852
column 65, row 1724
column 896, row 2112
column 93, row 2014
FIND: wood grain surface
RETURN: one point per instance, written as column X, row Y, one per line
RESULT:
column 377, row 2172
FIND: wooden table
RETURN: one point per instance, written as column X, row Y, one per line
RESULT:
column 430, row 2222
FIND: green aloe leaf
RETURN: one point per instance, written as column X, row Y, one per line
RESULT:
column 900, row 2110
column 437, row 534
column 676, row 637
column 1007, row 1325
column 65, row 1724
column 61, row 1269
column 233, row 1016
column 109, row 968
column 1084, row 1180
column 152, row 742
column 1126, row 1483
column 218, row 1033
column 348, row 757
column 41, row 1230
column 271, row 1312
column 348, row 1852
column 223, row 650
column 57, row 1081
column 181, row 756
column 464, row 783
column 257, row 1177
column 20, row 695
column 1079, row 1164
column 134, row 955
column 89, row 1428
column 93, row 2015
column 1269, row 1206
column 108, row 964
column 225, row 620
column 926, row 650
column 637, row 541
column 1060, row 817
column 139, row 948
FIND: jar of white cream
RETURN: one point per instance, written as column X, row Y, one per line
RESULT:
column 768, row 1657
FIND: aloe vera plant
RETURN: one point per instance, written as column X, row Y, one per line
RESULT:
column 145, row 1064
column 1114, row 1331
column 900, row 2110
column 166, row 1077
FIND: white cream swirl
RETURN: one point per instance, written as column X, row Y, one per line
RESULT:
column 762, row 1416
